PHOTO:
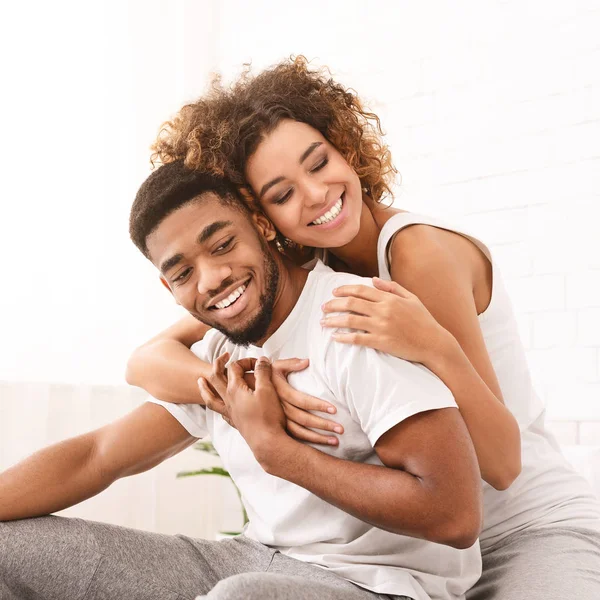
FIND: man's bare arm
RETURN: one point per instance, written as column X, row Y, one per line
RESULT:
column 76, row 469
column 430, row 487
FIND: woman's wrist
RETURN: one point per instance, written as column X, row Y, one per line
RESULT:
column 445, row 354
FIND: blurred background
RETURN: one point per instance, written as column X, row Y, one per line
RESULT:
column 492, row 111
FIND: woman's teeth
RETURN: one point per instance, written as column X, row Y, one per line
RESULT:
column 232, row 297
column 330, row 215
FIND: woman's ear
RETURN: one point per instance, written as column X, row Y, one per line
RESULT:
column 265, row 226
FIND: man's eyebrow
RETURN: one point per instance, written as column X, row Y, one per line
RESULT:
column 170, row 263
column 211, row 229
column 204, row 235
column 275, row 181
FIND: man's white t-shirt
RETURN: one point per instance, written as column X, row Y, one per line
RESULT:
column 373, row 392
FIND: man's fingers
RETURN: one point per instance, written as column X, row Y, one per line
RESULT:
column 262, row 372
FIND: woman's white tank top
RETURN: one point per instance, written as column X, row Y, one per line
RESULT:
column 548, row 491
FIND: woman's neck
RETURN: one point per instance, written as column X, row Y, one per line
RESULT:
column 360, row 255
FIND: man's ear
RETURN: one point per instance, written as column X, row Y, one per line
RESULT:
column 164, row 282
column 265, row 226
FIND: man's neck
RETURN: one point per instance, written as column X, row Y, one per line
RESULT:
column 289, row 289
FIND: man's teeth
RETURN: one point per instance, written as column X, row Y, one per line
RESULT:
column 232, row 297
column 330, row 215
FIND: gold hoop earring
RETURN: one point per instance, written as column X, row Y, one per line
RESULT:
column 279, row 247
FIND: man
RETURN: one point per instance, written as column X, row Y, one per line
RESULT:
column 395, row 510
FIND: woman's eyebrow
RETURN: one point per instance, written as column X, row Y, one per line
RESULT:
column 275, row 181
column 308, row 151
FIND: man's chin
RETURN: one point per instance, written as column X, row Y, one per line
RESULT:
column 249, row 333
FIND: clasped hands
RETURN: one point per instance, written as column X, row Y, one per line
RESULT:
column 254, row 396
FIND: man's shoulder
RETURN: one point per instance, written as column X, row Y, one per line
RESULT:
column 324, row 281
column 213, row 344
column 327, row 279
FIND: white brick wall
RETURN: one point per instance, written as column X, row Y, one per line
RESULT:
column 492, row 111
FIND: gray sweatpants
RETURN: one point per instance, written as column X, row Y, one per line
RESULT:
column 541, row 564
column 53, row 558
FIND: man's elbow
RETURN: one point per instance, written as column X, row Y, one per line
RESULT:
column 461, row 529
column 463, row 538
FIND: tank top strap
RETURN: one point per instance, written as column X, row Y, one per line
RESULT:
column 402, row 220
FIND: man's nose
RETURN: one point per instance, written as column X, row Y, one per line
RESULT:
column 212, row 278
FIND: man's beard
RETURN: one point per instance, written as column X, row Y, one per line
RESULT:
column 258, row 326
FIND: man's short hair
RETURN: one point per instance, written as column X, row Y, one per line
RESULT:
column 169, row 188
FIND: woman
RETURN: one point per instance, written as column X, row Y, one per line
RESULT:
column 311, row 158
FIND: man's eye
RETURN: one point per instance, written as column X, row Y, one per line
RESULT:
column 182, row 276
column 224, row 245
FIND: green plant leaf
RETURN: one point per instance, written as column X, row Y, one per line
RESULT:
column 212, row 471
column 206, row 447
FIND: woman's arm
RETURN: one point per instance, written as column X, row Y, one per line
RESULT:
column 453, row 279
column 166, row 367
column 444, row 276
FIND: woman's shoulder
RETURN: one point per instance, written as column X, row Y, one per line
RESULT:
column 382, row 214
column 429, row 254
column 413, row 238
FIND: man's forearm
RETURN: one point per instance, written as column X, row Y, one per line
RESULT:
column 387, row 498
column 50, row 480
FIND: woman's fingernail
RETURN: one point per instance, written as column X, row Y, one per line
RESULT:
column 331, row 409
column 332, row 441
column 338, row 429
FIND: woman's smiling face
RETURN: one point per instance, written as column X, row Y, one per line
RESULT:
column 305, row 187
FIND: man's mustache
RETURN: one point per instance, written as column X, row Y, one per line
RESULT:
column 228, row 282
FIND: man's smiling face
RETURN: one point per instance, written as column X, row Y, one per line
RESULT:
column 218, row 266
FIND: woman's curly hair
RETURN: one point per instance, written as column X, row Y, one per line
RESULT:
column 219, row 132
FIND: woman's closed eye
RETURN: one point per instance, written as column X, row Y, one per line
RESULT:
column 284, row 198
column 320, row 165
